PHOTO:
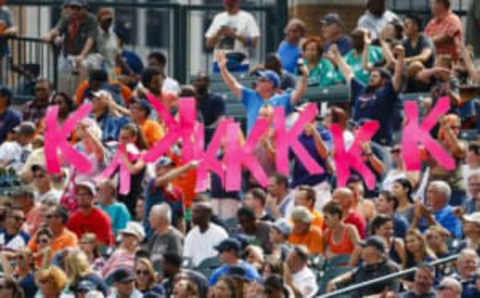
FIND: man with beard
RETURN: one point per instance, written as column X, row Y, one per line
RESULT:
column 210, row 104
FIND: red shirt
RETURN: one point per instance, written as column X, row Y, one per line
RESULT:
column 450, row 25
column 356, row 219
column 96, row 222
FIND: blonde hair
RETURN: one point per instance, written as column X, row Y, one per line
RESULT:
column 77, row 265
column 147, row 263
column 424, row 249
column 53, row 274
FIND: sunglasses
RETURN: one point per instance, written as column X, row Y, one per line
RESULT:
column 395, row 151
column 143, row 272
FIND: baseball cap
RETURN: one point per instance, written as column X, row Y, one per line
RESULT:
column 88, row 185
column 135, row 229
column 332, row 18
column 123, row 275
column 25, row 128
column 239, row 272
column 228, row 244
column 6, row 92
column 271, row 76
column 144, row 105
column 375, row 242
column 85, row 286
column 283, row 227
column 164, row 161
column 81, row 3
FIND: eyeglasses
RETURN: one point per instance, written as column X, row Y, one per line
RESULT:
column 43, row 241
column 143, row 272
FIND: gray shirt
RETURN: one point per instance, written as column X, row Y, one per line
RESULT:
column 472, row 28
column 171, row 241
column 7, row 20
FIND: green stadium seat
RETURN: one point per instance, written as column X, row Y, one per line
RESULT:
column 333, row 94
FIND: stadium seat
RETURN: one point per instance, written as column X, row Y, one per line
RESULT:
column 333, row 94
column 332, row 268
column 207, row 266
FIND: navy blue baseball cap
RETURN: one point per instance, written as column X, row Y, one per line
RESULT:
column 271, row 76
column 228, row 244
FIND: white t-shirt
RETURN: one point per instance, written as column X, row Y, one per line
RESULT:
column 51, row 195
column 15, row 154
column 242, row 22
column 304, row 280
column 172, row 85
column 200, row 246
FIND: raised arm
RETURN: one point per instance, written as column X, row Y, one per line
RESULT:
column 467, row 57
column 334, row 55
column 229, row 80
column 301, row 88
column 365, row 63
column 164, row 179
column 397, row 76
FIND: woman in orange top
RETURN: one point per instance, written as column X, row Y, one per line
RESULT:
column 340, row 238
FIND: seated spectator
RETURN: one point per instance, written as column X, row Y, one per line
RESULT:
column 280, row 231
column 255, row 199
column 43, row 185
column 387, row 204
column 229, row 251
column 165, row 237
column 80, row 270
column 398, row 170
column 118, row 212
column 303, row 282
column 402, row 190
column 374, row 257
column 90, row 246
column 124, row 255
column 124, row 284
column 304, row 233
column 256, row 232
column 146, row 281
column 466, row 265
column 107, row 116
column 159, row 60
column 13, row 237
column 344, row 197
column 378, row 99
column 60, row 238
column 376, row 18
column 140, row 111
column 265, row 90
column 89, row 218
column 417, row 251
column 339, row 238
column 280, row 200
column 321, row 72
column 306, row 196
column 445, row 29
column 35, row 109
column 235, row 31
column 422, row 284
column 382, row 226
column 287, row 79
column 289, row 49
column 185, row 287
column 451, row 288
column 363, row 206
column 98, row 80
column 9, row 117
column 51, row 282
column 204, row 236
column 332, row 32
column 437, row 238
column 14, row 154
column 152, row 80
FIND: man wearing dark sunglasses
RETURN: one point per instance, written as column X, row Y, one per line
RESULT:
column 12, row 236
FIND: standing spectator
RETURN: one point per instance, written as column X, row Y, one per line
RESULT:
column 472, row 30
column 89, row 218
column 165, row 238
column 118, row 212
column 8, row 117
column 422, row 284
column 445, row 29
column 289, row 49
column 108, row 118
column 332, row 32
column 304, row 233
column 6, row 29
column 107, row 41
column 303, row 282
column 376, row 18
column 321, row 72
column 229, row 252
column 204, row 236
column 287, row 79
column 35, row 109
column 56, row 218
column 265, row 91
column 12, row 236
column 159, row 60
column 378, row 100
column 210, row 104
column 235, row 32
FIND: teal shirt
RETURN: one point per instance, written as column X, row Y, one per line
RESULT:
column 119, row 216
column 375, row 55
column 323, row 74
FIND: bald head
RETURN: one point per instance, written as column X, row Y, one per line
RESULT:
column 344, row 197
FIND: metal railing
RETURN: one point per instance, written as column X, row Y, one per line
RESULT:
column 28, row 59
column 386, row 278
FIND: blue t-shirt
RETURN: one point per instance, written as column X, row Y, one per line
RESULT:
column 250, row 273
column 133, row 61
column 28, row 285
column 446, row 219
column 119, row 215
column 253, row 102
column 376, row 105
column 344, row 45
column 400, row 225
column 300, row 173
column 8, row 121
column 289, row 55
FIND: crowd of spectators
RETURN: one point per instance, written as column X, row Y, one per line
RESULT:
column 69, row 235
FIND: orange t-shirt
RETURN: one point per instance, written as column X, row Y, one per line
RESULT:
column 343, row 247
column 152, row 131
column 125, row 91
column 317, row 219
column 66, row 239
column 312, row 240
